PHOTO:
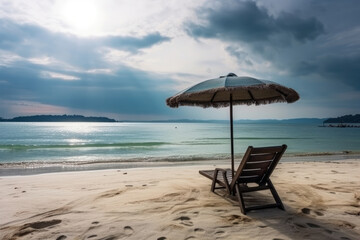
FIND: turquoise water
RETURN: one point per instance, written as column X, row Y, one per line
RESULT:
column 49, row 143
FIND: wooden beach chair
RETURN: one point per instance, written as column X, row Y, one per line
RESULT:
column 255, row 169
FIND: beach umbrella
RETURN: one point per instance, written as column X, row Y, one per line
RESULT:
column 232, row 90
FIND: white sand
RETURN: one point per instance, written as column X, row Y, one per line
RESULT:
column 322, row 201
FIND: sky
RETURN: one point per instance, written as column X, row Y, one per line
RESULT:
column 122, row 59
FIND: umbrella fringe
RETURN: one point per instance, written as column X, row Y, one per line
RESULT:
column 287, row 95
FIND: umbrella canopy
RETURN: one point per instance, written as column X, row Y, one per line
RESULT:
column 243, row 90
column 229, row 90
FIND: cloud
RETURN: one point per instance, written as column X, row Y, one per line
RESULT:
column 31, row 41
column 301, row 29
column 81, row 77
column 241, row 56
column 14, row 107
column 292, row 40
column 133, row 44
column 337, row 68
column 55, row 75
column 311, row 46
column 247, row 22
column 125, row 91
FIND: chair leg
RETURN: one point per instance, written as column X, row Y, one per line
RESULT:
column 213, row 185
column 240, row 199
column 275, row 195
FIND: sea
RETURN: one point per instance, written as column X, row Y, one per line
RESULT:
column 28, row 148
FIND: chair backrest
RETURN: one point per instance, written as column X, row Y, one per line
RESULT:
column 258, row 164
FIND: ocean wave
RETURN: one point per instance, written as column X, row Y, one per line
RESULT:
column 118, row 161
column 255, row 138
column 174, row 159
column 19, row 147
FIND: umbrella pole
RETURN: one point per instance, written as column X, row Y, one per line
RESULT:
column 232, row 136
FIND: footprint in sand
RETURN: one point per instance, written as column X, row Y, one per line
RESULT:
column 191, row 237
column 305, row 210
column 109, row 194
column 300, row 225
column 318, row 213
column 128, row 230
column 162, row 238
column 236, row 219
column 220, row 210
column 346, row 224
column 312, row 225
column 61, row 237
column 43, row 224
column 355, row 213
column 192, row 213
column 199, row 230
column 184, row 220
column 328, row 231
column 31, row 227
column 92, row 236
column 109, row 238
column 220, row 233
column 308, row 210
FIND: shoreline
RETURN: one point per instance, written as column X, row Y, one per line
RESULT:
column 31, row 168
column 322, row 201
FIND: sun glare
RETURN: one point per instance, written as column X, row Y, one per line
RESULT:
column 81, row 16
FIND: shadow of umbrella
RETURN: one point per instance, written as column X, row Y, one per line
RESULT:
column 233, row 90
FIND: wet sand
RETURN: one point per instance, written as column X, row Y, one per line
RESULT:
column 322, row 201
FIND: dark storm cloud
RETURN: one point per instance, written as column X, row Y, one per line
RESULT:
column 310, row 38
column 33, row 41
column 301, row 29
column 246, row 21
column 336, row 68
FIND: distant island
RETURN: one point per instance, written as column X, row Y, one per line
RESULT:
column 58, row 118
column 343, row 121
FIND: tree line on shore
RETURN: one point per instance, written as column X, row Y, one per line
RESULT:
column 57, row 118
column 344, row 119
